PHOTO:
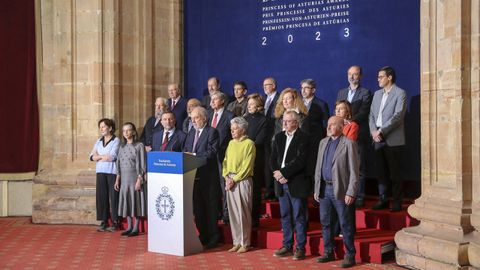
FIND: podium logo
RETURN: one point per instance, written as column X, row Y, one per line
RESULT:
column 165, row 205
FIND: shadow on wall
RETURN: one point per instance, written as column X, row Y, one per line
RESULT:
column 411, row 159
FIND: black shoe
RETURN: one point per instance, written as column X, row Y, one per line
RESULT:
column 397, row 207
column 359, row 203
column 103, row 227
column 211, row 245
column 126, row 233
column 114, row 227
column 283, row 252
column 348, row 261
column 327, row 257
column 299, row 255
column 380, row 205
column 134, row 233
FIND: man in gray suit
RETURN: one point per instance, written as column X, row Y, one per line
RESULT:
column 360, row 98
column 336, row 186
column 386, row 122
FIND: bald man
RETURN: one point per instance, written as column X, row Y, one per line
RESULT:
column 336, row 186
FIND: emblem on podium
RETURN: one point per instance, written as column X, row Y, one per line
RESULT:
column 165, row 205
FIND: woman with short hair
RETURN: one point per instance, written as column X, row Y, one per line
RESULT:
column 104, row 153
column 238, row 171
column 343, row 109
column 257, row 132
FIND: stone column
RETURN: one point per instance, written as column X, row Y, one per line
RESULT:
column 450, row 140
column 97, row 58
column 474, row 247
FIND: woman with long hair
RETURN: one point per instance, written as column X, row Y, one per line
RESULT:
column 131, row 179
column 289, row 100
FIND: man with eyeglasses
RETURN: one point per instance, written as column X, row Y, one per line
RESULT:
column 386, row 121
column 318, row 112
column 289, row 154
column 271, row 98
column 360, row 99
column 317, row 119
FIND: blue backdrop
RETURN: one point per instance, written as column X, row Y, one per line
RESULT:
column 292, row 40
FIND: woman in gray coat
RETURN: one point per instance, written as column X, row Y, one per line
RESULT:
column 131, row 178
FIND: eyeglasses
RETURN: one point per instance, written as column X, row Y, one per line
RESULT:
column 307, row 87
column 289, row 121
column 381, row 77
column 268, row 84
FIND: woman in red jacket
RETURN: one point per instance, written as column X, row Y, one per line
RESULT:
column 343, row 109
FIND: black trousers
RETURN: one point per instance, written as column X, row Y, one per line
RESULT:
column 258, row 182
column 387, row 161
column 107, row 197
column 268, row 174
column 206, row 198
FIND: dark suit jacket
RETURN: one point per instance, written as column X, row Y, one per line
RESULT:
column 149, row 129
column 270, row 114
column 295, row 163
column 345, row 165
column 257, row 128
column 180, row 111
column 186, row 124
column 223, row 127
column 207, row 148
column 323, row 105
column 360, row 109
column 175, row 143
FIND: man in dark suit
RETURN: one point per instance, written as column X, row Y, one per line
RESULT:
column 360, row 99
column 202, row 141
column 169, row 138
column 187, row 123
column 219, row 118
column 271, row 98
column 213, row 86
column 318, row 112
column 177, row 104
column 316, row 120
column 386, row 121
column 289, row 154
column 153, row 123
column 336, row 186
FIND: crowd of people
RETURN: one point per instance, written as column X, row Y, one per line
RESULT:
column 284, row 143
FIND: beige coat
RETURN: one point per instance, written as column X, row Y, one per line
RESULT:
column 345, row 166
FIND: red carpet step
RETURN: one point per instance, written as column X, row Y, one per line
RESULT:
column 375, row 232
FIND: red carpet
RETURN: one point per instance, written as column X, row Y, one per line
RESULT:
column 30, row 246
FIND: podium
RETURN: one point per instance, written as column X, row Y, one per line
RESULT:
column 171, row 228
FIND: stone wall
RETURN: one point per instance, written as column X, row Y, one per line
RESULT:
column 96, row 58
column 449, row 207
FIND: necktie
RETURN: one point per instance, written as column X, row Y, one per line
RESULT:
column 195, row 140
column 165, row 141
column 267, row 104
column 189, row 125
column 214, row 122
column 173, row 104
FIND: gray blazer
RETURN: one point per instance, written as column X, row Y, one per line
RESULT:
column 393, row 115
column 345, row 167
